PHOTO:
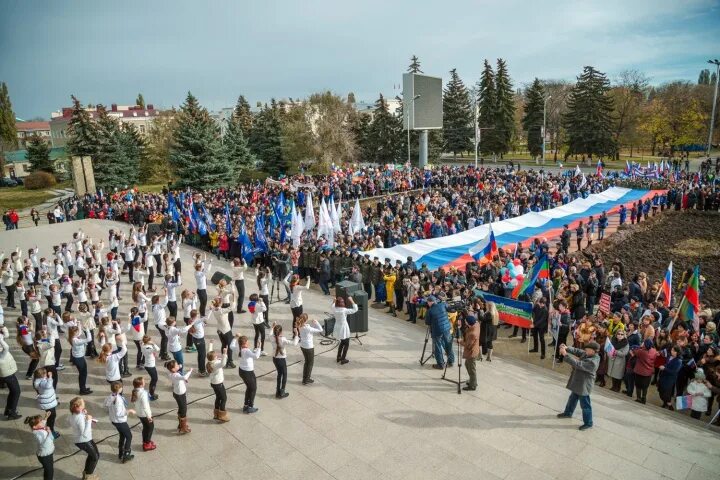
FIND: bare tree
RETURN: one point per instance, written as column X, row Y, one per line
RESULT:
column 559, row 91
column 629, row 92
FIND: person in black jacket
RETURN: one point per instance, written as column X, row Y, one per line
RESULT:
column 563, row 330
column 578, row 302
column 540, row 325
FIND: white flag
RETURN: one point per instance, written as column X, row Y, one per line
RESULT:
column 309, row 214
column 357, row 223
column 335, row 216
column 583, row 182
column 297, row 228
column 324, row 226
column 577, row 170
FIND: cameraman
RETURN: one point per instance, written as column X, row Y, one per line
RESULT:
column 471, row 348
column 437, row 318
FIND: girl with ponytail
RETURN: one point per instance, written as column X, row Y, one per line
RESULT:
column 280, row 357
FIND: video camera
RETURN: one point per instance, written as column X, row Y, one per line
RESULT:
column 456, row 305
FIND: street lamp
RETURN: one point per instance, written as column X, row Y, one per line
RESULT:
column 408, row 122
column 715, row 62
column 543, row 129
column 476, row 101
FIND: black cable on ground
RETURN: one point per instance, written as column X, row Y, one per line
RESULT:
column 326, row 341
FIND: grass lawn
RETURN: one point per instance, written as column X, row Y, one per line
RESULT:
column 19, row 198
column 151, row 188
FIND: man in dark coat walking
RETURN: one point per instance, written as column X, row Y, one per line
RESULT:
column 540, row 326
column 585, row 363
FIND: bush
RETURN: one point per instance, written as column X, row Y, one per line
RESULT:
column 39, row 180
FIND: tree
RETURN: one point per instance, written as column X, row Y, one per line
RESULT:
column 589, row 119
column 628, row 95
column 504, row 109
column 557, row 92
column 266, row 143
column 360, row 128
column 351, row 98
column 486, row 116
column 196, row 154
column 331, row 128
column 414, row 66
column 82, row 132
column 118, row 151
column 38, row 155
column 532, row 121
column 8, row 133
column 140, row 101
column 237, row 152
column 655, row 125
column 155, row 165
column 384, row 135
column 298, row 142
column 244, row 116
column 457, row 116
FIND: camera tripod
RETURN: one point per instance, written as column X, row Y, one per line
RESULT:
column 423, row 358
column 457, row 382
column 275, row 285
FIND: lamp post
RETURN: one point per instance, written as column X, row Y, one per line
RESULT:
column 408, row 122
column 476, row 99
column 543, row 128
column 715, row 62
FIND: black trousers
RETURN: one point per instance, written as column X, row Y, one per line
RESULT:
column 642, row 382
column 58, row 352
column 538, row 335
column 240, row 287
column 13, row 393
column 151, row 277
column 296, row 312
column 343, row 349
column 562, row 338
column 309, row 356
column 11, row 295
column 55, row 375
column 368, row 289
column 152, row 371
column 139, row 357
column 50, row 422
column 158, row 262
column 259, row 334
column 163, row 342
column 125, row 439
column 147, row 429
column 202, row 298
column 33, row 361
column 200, row 345
column 225, row 340
column 38, row 321
column 266, row 313
column 281, row 367
column 48, row 466
column 172, row 308
column 81, row 366
column 93, row 455
column 220, row 395
column 231, row 315
column 250, row 386
column 181, row 401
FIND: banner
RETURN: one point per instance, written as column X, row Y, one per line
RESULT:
column 604, row 303
column 511, row 311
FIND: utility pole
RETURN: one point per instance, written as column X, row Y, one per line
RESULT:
column 543, row 128
column 715, row 62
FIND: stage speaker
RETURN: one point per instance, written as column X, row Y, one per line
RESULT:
column 346, row 289
column 329, row 326
column 217, row 276
column 358, row 322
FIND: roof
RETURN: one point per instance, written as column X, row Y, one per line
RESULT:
column 20, row 156
column 31, row 126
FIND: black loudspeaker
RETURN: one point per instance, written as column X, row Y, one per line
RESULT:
column 358, row 322
column 217, row 276
column 346, row 289
column 329, row 326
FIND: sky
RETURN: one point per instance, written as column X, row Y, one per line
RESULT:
column 109, row 51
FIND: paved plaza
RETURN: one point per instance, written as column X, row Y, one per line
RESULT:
column 382, row 416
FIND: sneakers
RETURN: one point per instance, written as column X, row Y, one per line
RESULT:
column 468, row 388
column 127, row 456
column 60, row 367
column 203, row 374
column 263, row 354
column 438, row 367
column 126, row 374
column 153, row 397
column 147, row 446
column 87, row 391
column 250, row 410
column 28, row 377
column 281, row 395
column 584, row 427
column 308, row 381
column 12, row 416
column 230, row 364
column 56, row 435
column 190, row 349
column 563, row 415
column 344, row 361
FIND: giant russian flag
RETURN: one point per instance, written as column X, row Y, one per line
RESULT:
column 453, row 250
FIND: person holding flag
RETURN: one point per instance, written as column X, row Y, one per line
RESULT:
column 666, row 287
column 485, row 250
column 689, row 308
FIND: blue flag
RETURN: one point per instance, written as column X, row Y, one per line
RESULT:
column 261, row 243
column 209, row 220
column 201, row 227
column 172, row 207
column 246, row 248
column 228, row 225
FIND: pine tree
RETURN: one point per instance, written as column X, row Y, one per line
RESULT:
column 351, row 98
column 82, row 132
column 196, row 154
column 8, row 133
column 237, row 152
column 704, row 77
column 244, row 116
column 504, row 109
column 385, row 135
column 589, row 121
column 140, row 101
column 266, row 141
column 134, row 147
column 38, row 155
column 486, row 116
column 414, row 65
column 155, row 165
column 457, row 116
column 533, row 119
column 360, row 128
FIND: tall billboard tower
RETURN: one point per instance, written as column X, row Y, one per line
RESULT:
column 422, row 108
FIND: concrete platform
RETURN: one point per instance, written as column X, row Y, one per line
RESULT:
column 382, row 416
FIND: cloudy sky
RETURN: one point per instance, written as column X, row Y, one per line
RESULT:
column 108, row 51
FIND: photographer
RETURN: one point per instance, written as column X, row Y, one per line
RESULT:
column 585, row 363
column 471, row 340
column 437, row 318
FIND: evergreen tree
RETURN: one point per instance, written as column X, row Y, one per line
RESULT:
column 244, row 116
column 504, row 109
column 134, row 147
column 457, row 116
column 38, row 155
column 155, row 166
column 351, row 98
column 237, row 152
column 82, row 132
column 109, row 161
column 140, row 101
column 533, row 119
column 486, row 116
column 360, row 128
column 197, row 154
column 704, row 77
column 589, row 120
column 385, row 135
column 8, row 133
column 266, row 141
column 414, row 65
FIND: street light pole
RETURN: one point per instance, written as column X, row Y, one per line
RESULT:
column 715, row 62
column 543, row 129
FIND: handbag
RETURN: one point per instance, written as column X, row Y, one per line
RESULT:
column 683, row 402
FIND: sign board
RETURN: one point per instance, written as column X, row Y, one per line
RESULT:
column 604, row 303
column 422, row 102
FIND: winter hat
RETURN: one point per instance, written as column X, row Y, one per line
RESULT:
column 432, row 299
column 699, row 374
column 648, row 344
column 593, row 345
